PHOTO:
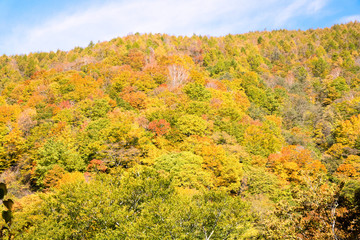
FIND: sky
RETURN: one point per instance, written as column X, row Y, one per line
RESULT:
column 48, row 25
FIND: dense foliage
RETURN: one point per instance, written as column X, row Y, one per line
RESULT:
column 151, row 136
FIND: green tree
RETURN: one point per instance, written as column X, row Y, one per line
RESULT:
column 197, row 92
column 192, row 125
column 186, row 168
column 57, row 153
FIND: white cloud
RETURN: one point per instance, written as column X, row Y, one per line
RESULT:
column 299, row 8
column 315, row 6
column 210, row 17
column 350, row 19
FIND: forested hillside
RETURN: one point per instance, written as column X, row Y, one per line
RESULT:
column 151, row 136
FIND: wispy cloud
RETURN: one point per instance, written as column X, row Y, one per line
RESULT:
column 350, row 19
column 315, row 6
column 299, row 8
column 213, row 17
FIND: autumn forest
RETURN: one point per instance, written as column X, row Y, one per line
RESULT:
column 153, row 136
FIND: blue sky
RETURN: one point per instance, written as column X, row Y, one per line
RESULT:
column 44, row 25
